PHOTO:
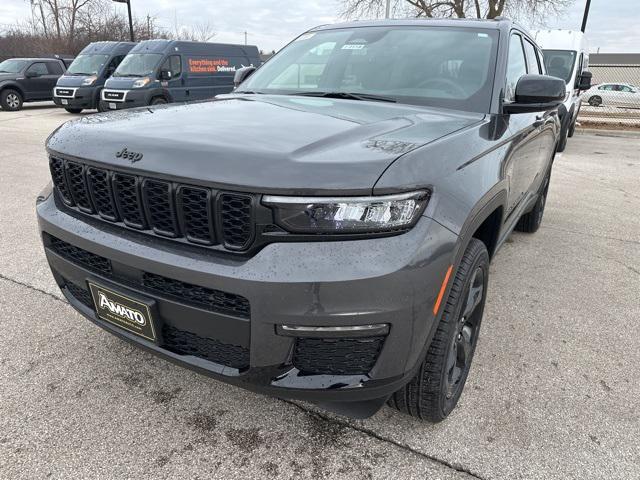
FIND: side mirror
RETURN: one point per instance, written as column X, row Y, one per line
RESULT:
column 584, row 80
column 31, row 74
column 242, row 74
column 537, row 93
column 165, row 75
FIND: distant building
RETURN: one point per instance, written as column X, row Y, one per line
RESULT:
column 615, row 68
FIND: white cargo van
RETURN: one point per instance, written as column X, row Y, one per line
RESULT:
column 566, row 56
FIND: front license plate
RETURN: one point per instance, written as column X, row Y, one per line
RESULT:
column 122, row 311
column 65, row 102
column 112, row 106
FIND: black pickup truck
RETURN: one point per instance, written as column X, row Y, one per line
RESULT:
column 323, row 233
column 29, row 80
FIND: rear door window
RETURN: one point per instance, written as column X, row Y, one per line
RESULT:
column 54, row 68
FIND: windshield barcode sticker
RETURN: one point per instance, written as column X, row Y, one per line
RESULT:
column 353, row 46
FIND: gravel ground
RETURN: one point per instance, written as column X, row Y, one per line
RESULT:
column 553, row 393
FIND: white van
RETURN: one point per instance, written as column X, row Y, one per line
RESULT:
column 566, row 56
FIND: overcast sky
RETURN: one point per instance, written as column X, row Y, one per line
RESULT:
column 613, row 24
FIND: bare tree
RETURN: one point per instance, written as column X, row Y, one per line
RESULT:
column 532, row 10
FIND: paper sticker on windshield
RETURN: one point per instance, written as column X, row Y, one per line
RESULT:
column 353, row 46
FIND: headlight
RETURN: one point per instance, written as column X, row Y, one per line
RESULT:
column 89, row 81
column 141, row 82
column 345, row 215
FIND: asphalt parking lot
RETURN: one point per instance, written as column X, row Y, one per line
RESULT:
column 554, row 391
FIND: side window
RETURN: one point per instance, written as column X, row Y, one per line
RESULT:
column 624, row 88
column 605, row 87
column 54, row 68
column 580, row 69
column 113, row 64
column 174, row 65
column 38, row 69
column 516, row 67
column 532, row 60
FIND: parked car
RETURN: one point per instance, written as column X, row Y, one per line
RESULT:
column 566, row 56
column 164, row 71
column 324, row 233
column 28, row 80
column 613, row 94
column 81, row 85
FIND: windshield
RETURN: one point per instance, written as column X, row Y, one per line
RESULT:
column 560, row 63
column 438, row 66
column 138, row 65
column 87, row 64
column 12, row 66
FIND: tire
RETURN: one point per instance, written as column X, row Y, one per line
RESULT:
column 435, row 390
column 11, row 100
column 158, row 101
column 595, row 101
column 73, row 110
column 572, row 127
column 530, row 222
column 562, row 142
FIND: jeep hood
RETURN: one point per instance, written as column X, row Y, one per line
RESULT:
column 261, row 143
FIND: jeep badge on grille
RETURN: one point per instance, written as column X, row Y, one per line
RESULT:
column 133, row 156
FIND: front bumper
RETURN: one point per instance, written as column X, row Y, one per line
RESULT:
column 389, row 281
column 132, row 98
column 83, row 97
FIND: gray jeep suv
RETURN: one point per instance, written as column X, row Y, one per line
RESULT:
column 324, row 232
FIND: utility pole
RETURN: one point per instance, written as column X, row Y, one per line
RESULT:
column 245, row 37
column 148, row 27
column 128, row 2
column 586, row 16
column 387, row 9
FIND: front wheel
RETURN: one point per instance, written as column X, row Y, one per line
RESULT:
column 73, row 110
column 10, row 100
column 435, row 390
column 158, row 101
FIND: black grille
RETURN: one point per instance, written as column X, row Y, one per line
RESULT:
column 79, row 293
column 159, row 201
column 100, row 188
column 127, row 195
column 78, row 186
column 113, row 95
column 187, row 343
column 198, row 215
column 213, row 300
column 57, row 175
column 205, row 297
column 340, row 356
column 237, row 223
column 64, row 92
column 78, row 255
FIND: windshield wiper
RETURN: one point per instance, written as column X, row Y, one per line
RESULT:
column 348, row 96
column 249, row 92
